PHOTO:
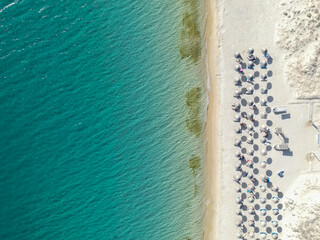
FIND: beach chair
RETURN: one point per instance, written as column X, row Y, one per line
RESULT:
column 281, row 147
column 278, row 110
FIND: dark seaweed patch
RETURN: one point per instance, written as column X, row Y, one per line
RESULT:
column 193, row 103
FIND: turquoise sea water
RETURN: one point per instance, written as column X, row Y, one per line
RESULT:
column 93, row 138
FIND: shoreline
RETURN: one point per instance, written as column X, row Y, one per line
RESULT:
column 212, row 123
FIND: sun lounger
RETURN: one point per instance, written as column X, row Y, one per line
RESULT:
column 281, row 147
column 278, row 110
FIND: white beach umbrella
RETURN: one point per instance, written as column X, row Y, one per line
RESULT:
column 238, row 189
column 263, row 77
column 237, row 67
column 263, row 223
column 263, row 152
column 250, row 102
column 237, row 130
column 237, row 93
column 275, row 199
column 263, row 90
column 263, row 177
column 263, row 128
column 237, row 142
column 275, row 188
column 264, row 115
column 275, row 235
column 275, row 211
column 250, row 199
column 264, row 50
column 237, row 154
column 275, row 223
column 238, row 165
column 239, row 235
column 251, row 210
column 236, row 82
column 263, row 140
column 251, row 187
column 263, row 200
column 250, row 76
column 236, row 118
column 250, row 140
column 238, row 177
column 237, row 55
column 251, row 234
column 250, row 127
column 250, row 115
column 263, row 235
column 249, row 90
column 238, row 200
column 249, row 164
column 264, row 63
column 263, row 164
column 251, row 223
column 239, row 222
column 238, row 212
column 250, row 51
column 263, row 102
column 251, row 152
column 263, row 188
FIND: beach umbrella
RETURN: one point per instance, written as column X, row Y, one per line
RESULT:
column 250, row 199
column 249, row 90
column 251, row 223
column 275, row 199
column 263, row 164
column 263, row 223
column 250, row 51
column 263, row 188
column 263, row 200
column 250, row 127
column 263, row 212
column 238, row 177
column 275, row 235
column 237, row 154
column 263, row 235
column 275, row 188
column 250, row 102
column 236, row 82
column 275, row 211
column 250, row 140
column 263, row 177
column 249, row 164
column 237, row 130
column 251, row 77
column 239, row 222
column 251, row 234
column 250, row 175
column 237, row 93
column 251, row 187
column 263, row 102
column 237, row 142
column 238, row 189
column 264, row 63
column 250, row 115
column 251, row 152
column 239, row 235
column 263, row 140
column 237, row 55
column 264, row 115
column 251, row 210
column 238, row 211
column 263, row 152
column 237, row 68
column 264, row 50
column 275, row 223
column 236, row 118
column 238, row 200
column 263, row 90
column 263, row 77
column 238, row 165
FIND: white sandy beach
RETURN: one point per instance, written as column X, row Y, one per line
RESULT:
column 293, row 81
